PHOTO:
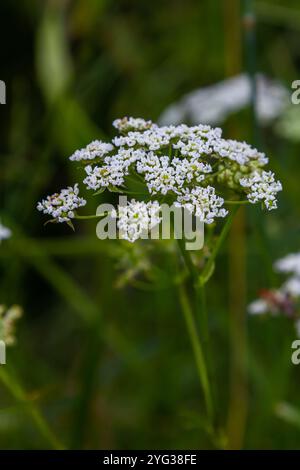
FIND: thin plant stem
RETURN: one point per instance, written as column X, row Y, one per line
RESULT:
column 198, row 351
column 234, row 203
column 87, row 217
column 238, row 395
column 199, row 292
column 208, row 267
column 18, row 393
column 201, row 311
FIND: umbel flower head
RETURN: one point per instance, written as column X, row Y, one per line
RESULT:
column 191, row 167
column 137, row 218
column 61, row 206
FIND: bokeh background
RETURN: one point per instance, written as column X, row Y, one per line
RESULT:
column 102, row 358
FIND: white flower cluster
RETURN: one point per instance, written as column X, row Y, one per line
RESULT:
column 129, row 124
column 8, row 318
column 137, row 218
column 262, row 187
column 203, row 202
column 188, row 165
column 285, row 299
column 94, row 150
column 61, row 206
column 239, row 152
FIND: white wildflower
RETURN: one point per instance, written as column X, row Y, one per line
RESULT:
column 262, row 187
column 285, row 299
column 5, row 232
column 137, row 218
column 159, row 174
column 130, row 124
column 289, row 264
column 203, row 202
column 92, row 151
column 185, row 163
column 61, row 206
column 240, row 152
column 258, row 307
column 292, row 287
column 190, row 170
column 110, row 174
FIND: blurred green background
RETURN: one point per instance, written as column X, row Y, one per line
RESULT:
column 102, row 354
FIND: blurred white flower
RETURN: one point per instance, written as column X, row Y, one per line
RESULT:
column 4, row 232
column 257, row 307
column 289, row 264
column 213, row 104
column 285, row 299
column 292, row 287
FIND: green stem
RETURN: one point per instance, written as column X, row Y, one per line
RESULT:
column 233, row 203
column 202, row 313
column 87, row 217
column 199, row 291
column 136, row 192
column 198, row 351
column 220, row 241
column 16, row 390
column 202, row 353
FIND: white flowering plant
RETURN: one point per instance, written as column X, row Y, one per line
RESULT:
column 193, row 168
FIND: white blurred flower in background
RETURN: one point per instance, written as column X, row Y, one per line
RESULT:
column 5, row 232
column 213, row 104
column 286, row 299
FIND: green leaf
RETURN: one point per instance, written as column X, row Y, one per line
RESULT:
column 100, row 191
column 70, row 224
column 52, row 55
column 51, row 221
column 114, row 189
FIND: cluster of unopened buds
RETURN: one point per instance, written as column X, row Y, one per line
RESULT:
column 190, row 167
column 286, row 299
